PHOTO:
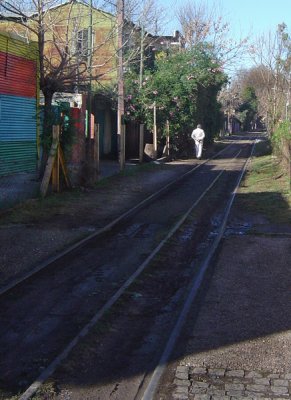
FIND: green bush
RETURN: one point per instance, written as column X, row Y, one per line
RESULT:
column 282, row 132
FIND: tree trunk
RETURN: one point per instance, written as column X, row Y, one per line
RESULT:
column 46, row 136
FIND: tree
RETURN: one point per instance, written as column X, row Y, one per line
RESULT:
column 142, row 18
column 184, row 89
column 247, row 111
column 131, row 43
column 272, row 56
column 204, row 25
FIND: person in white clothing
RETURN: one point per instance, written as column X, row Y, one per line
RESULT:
column 198, row 136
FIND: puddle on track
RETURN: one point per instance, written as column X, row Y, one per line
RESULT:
column 238, row 229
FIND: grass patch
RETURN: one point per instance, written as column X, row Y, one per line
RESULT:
column 34, row 210
column 263, row 148
column 47, row 391
column 265, row 188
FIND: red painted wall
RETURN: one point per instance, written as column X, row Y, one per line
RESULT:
column 17, row 75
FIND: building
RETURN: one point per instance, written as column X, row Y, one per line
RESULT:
column 80, row 57
column 168, row 43
column 72, row 62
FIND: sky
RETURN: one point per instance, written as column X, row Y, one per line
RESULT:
column 250, row 18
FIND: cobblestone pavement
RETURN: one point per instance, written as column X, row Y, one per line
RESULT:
column 201, row 383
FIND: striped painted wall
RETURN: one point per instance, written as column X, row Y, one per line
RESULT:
column 18, row 107
column 17, row 75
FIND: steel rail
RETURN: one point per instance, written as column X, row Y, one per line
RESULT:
column 32, row 389
column 107, row 227
column 195, row 285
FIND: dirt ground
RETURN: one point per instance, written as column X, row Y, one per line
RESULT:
column 246, row 310
column 241, row 322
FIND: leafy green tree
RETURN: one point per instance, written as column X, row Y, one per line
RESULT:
column 184, row 89
column 249, row 108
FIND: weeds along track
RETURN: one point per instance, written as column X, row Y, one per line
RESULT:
column 47, row 314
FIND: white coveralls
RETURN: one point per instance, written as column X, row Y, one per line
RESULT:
column 198, row 135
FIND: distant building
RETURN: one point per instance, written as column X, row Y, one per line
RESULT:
column 166, row 43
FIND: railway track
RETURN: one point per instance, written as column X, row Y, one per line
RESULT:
column 46, row 315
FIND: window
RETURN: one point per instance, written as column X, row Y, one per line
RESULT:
column 83, row 43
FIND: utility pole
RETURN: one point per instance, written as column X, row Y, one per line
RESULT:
column 141, row 127
column 288, row 96
column 155, row 140
column 89, row 94
column 141, row 55
column 120, row 106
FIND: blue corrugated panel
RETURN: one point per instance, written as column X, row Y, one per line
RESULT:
column 18, row 151
column 17, row 157
column 17, row 118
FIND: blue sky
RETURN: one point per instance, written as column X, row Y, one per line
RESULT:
column 245, row 16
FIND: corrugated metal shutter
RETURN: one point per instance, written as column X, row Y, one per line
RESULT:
column 17, row 75
column 18, row 106
column 18, row 150
column 17, row 157
column 18, row 47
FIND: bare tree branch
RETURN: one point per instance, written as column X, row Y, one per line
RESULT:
column 202, row 24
